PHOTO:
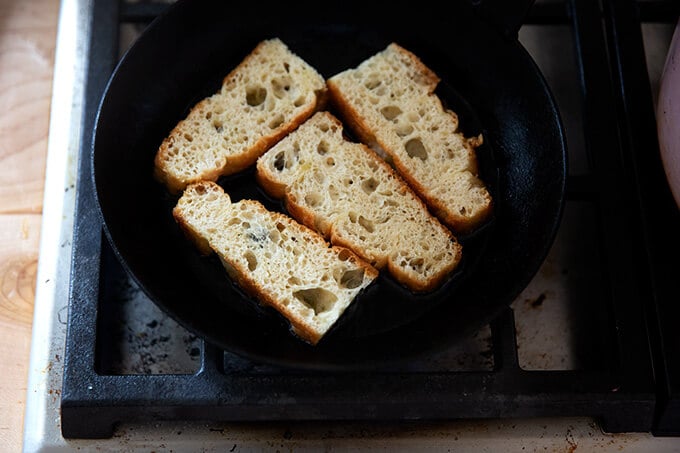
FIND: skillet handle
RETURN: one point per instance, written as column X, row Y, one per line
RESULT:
column 507, row 16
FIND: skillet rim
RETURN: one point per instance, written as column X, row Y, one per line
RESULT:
column 316, row 361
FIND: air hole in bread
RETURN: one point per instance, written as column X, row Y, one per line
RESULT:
column 322, row 148
column 281, row 86
column 369, row 185
column 251, row 259
column 280, row 161
column 330, row 162
column 276, row 122
column 286, row 66
column 318, row 299
column 372, row 83
column 218, row 125
column 313, row 199
column 255, row 95
column 344, row 255
column 390, row 112
column 299, row 101
column 415, row 264
column 274, row 235
column 403, row 129
column 188, row 137
column 367, row 224
column 352, row 278
column 415, row 148
column 294, row 281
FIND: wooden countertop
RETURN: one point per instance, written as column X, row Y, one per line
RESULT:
column 27, row 41
column 27, row 46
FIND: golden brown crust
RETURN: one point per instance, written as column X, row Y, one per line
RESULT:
column 185, row 226
column 422, row 74
column 294, row 258
column 359, row 202
column 226, row 132
column 350, row 116
column 450, row 186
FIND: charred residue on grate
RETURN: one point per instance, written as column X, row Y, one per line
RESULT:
column 134, row 336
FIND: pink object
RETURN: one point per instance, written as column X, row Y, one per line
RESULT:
column 668, row 115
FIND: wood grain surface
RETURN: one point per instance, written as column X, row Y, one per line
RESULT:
column 27, row 41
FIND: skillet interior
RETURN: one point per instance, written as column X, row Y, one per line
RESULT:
column 490, row 81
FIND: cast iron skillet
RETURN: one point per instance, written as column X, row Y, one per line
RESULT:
column 487, row 78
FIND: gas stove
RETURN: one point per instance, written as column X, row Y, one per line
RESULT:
column 586, row 356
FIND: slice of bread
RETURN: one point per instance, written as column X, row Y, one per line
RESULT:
column 265, row 97
column 388, row 101
column 350, row 195
column 274, row 259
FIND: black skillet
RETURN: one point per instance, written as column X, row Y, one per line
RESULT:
column 487, row 78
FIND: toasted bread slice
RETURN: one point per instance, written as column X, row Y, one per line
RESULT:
column 265, row 97
column 350, row 195
column 274, row 258
column 388, row 101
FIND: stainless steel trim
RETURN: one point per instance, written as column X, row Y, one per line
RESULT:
column 42, row 430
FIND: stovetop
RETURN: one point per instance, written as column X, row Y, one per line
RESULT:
column 583, row 357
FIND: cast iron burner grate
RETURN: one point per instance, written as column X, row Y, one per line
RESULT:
column 627, row 375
